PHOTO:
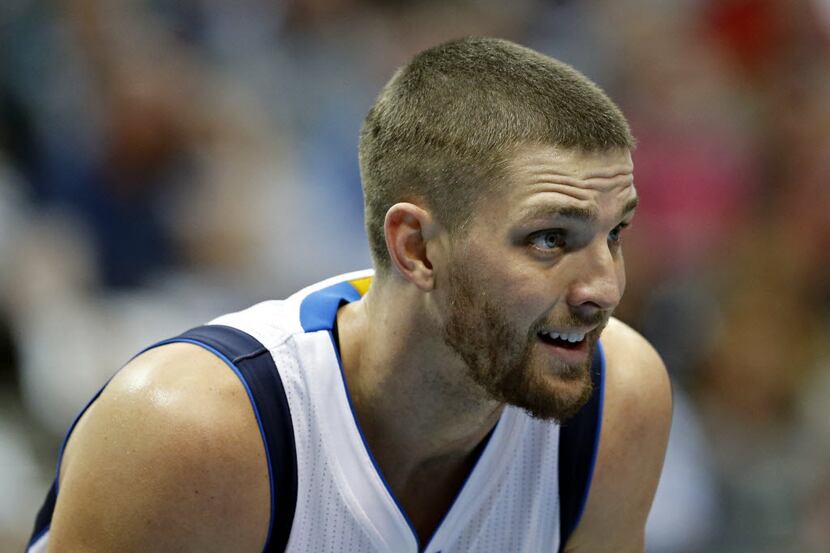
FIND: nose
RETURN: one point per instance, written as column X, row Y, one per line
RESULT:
column 599, row 279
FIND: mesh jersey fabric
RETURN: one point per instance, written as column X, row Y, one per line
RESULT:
column 511, row 500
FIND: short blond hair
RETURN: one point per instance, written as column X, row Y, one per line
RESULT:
column 442, row 128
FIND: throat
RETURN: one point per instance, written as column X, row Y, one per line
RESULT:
column 428, row 495
column 428, row 492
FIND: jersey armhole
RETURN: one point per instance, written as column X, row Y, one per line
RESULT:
column 578, row 448
column 254, row 365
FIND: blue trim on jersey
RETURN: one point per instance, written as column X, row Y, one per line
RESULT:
column 69, row 432
column 43, row 521
column 238, row 341
column 260, row 373
column 595, row 451
column 319, row 309
column 242, row 379
column 46, row 511
column 366, row 444
column 481, row 447
column 579, row 439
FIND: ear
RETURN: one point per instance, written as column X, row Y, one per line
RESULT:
column 407, row 229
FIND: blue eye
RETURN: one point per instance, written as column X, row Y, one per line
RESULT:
column 548, row 239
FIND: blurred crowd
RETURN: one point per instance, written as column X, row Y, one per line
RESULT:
column 164, row 162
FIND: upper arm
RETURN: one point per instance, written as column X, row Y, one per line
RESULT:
column 168, row 458
column 635, row 429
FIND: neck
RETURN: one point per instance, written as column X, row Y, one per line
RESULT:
column 413, row 399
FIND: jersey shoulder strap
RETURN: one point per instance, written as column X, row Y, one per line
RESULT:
column 578, row 445
column 254, row 365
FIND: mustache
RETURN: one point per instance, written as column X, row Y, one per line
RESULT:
column 574, row 319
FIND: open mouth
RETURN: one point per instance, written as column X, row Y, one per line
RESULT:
column 573, row 341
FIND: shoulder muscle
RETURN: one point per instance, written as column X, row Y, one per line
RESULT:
column 168, row 458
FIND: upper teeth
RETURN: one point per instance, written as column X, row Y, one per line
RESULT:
column 568, row 336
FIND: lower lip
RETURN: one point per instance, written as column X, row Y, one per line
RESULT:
column 575, row 354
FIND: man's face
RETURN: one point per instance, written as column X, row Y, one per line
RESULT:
column 533, row 280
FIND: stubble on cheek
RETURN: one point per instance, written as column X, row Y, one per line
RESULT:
column 501, row 361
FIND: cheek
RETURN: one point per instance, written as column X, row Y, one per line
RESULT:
column 523, row 291
column 525, row 298
column 621, row 274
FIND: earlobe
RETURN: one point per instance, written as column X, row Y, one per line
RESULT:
column 408, row 228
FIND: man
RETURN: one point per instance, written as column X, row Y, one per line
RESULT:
column 453, row 399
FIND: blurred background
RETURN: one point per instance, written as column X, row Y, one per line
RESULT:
column 164, row 162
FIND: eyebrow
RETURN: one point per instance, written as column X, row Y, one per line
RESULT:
column 585, row 214
column 630, row 206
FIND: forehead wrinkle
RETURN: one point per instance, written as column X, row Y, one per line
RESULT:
column 573, row 164
column 597, row 183
column 610, row 175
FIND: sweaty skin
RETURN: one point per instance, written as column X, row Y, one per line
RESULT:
column 421, row 410
column 169, row 458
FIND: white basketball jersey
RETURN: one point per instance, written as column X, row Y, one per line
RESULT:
column 510, row 501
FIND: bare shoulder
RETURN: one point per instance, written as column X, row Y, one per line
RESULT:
column 634, row 368
column 635, row 427
column 169, row 457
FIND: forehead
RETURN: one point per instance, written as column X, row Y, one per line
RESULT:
column 541, row 177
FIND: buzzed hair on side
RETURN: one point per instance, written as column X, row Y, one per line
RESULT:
column 442, row 129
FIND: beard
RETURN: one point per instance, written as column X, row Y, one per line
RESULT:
column 500, row 360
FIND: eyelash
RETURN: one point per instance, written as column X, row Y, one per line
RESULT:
column 618, row 229
column 561, row 234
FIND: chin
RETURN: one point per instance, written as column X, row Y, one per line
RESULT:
column 557, row 397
